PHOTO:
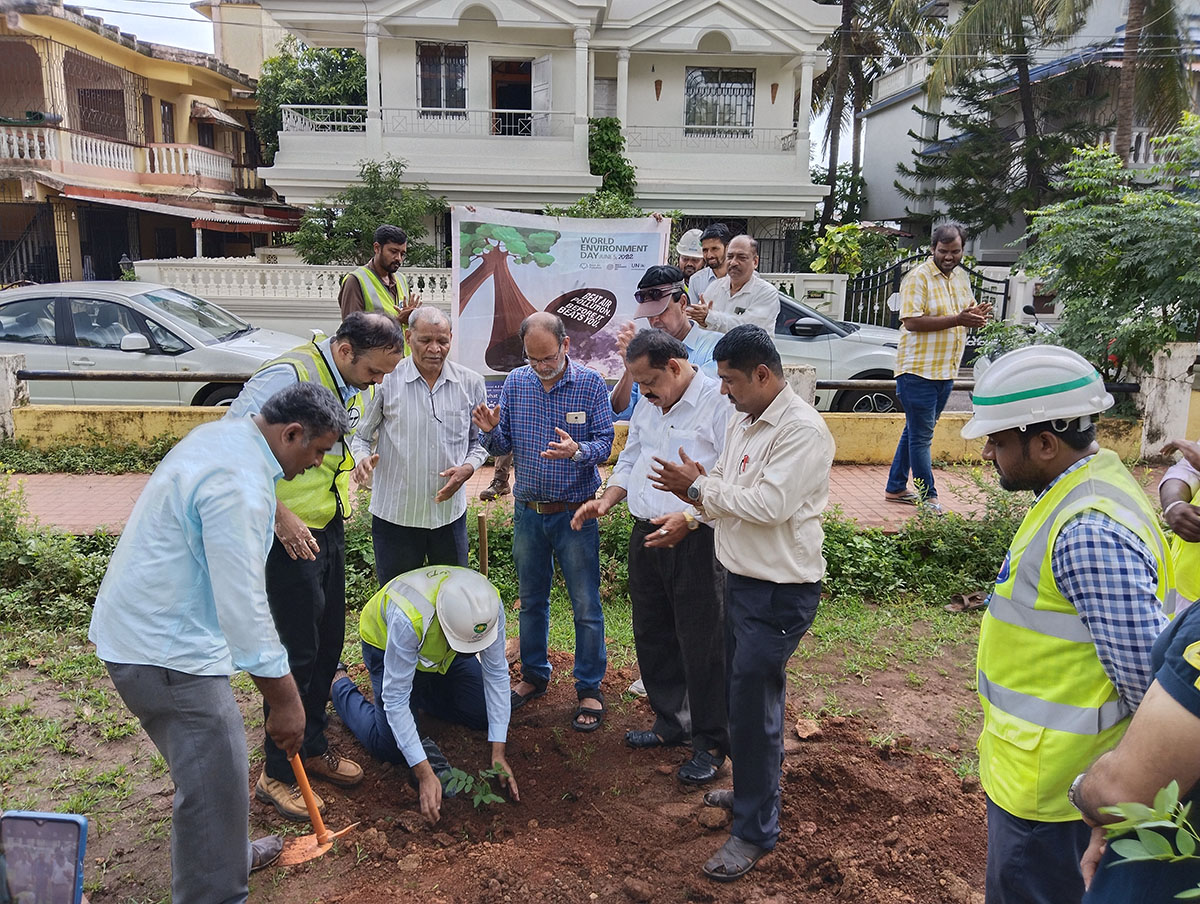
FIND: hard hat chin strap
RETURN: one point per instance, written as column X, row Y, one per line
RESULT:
column 1062, row 425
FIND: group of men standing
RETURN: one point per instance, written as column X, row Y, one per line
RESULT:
column 241, row 529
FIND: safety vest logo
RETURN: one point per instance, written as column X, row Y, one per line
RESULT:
column 480, row 628
column 1004, row 569
column 352, row 414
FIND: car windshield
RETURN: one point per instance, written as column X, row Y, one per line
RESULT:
column 207, row 322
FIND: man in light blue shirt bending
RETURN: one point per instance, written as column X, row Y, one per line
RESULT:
column 183, row 606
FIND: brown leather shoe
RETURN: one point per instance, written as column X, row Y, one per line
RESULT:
column 337, row 770
column 494, row 489
column 287, row 799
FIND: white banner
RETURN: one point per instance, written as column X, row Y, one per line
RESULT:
column 511, row 265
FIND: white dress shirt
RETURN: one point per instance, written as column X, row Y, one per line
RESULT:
column 696, row 422
column 421, row 432
column 755, row 302
column 768, row 489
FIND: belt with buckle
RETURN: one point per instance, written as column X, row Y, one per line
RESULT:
column 552, row 508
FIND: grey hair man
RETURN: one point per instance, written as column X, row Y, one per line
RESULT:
column 741, row 296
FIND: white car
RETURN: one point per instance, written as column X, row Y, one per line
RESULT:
column 130, row 326
column 839, row 351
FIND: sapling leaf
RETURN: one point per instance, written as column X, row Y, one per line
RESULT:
column 1190, row 894
column 1130, row 849
column 1154, row 843
column 1186, row 842
column 1167, row 798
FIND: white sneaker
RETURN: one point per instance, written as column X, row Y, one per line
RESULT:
column 637, row 688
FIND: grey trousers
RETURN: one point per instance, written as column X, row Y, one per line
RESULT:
column 196, row 725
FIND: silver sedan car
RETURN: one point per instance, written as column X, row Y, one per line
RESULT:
column 130, row 326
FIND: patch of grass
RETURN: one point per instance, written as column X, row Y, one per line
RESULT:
column 915, row 681
column 97, row 455
column 21, row 729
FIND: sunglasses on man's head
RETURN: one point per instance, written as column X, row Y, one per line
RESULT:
column 641, row 296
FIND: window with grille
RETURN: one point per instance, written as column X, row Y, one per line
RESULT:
column 166, row 110
column 441, row 77
column 719, row 101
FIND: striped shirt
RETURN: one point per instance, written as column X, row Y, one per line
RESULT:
column 926, row 291
column 1109, row 575
column 577, row 403
column 421, row 432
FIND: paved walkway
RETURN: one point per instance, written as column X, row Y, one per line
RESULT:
column 80, row 503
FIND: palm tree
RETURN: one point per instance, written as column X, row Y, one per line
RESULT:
column 871, row 39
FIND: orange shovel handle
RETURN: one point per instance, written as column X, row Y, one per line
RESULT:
column 324, row 836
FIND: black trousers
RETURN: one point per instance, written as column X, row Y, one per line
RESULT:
column 399, row 549
column 679, row 633
column 308, row 602
column 764, row 622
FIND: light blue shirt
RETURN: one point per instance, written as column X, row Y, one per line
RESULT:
column 400, row 665
column 271, row 380
column 699, row 344
column 186, row 587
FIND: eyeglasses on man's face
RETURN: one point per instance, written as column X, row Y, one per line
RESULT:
column 657, row 293
column 544, row 362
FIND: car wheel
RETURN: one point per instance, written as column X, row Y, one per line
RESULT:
column 222, row 395
column 871, row 402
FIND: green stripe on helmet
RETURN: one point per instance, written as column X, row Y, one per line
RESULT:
column 1093, row 377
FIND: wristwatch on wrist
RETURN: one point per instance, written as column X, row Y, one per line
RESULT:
column 1073, row 792
column 692, row 523
column 693, row 492
column 578, row 456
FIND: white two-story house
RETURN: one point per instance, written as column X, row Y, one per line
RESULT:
column 488, row 102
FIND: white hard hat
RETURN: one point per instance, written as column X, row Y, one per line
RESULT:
column 1035, row 384
column 468, row 609
column 689, row 244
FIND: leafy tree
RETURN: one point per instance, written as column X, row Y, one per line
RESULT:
column 341, row 230
column 305, row 75
column 1124, row 257
column 852, row 249
column 600, row 204
column 979, row 176
column 606, row 157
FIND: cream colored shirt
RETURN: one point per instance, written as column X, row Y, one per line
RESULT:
column 933, row 354
column 767, row 491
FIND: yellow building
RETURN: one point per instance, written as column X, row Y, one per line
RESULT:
column 112, row 147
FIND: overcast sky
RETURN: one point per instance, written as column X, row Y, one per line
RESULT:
column 161, row 21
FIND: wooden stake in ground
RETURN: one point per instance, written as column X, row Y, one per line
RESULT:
column 483, row 550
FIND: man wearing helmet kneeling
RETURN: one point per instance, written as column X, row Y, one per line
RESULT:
column 1065, row 644
column 420, row 634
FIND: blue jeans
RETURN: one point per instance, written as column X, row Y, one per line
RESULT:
column 456, row 696
column 537, row 541
column 923, row 401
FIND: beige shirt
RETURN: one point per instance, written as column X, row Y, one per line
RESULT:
column 767, row 491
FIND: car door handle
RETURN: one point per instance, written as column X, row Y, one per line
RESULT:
column 83, row 362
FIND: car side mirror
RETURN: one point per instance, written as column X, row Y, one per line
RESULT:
column 807, row 327
column 135, row 342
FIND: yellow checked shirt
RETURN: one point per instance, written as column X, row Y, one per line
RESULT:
column 933, row 355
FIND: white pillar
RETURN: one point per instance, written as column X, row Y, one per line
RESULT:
column 199, row 242
column 581, row 73
column 374, row 96
column 803, row 75
column 591, row 83
column 623, row 86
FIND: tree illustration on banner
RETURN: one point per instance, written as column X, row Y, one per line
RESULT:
column 492, row 245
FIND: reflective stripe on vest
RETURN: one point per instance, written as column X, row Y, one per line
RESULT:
column 376, row 296
column 317, row 495
column 434, row 653
column 1049, row 706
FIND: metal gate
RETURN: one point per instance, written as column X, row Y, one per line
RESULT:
column 30, row 256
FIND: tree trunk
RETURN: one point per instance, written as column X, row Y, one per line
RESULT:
column 504, row 352
column 856, row 158
column 1035, row 176
column 1123, row 143
column 472, row 281
column 833, row 127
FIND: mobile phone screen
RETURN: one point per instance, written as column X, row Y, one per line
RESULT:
column 41, row 857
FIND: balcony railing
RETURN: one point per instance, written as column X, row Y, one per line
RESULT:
column 188, row 160
column 456, row 122
column 1141, row 152
column 905, row 76
column 709, row 139
column 93, row 151
column 323, row 118
column 24, row 143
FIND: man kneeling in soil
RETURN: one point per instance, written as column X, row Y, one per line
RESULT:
column 413, row 632
column 183, row 606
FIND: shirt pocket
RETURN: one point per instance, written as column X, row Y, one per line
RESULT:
column 689, row 439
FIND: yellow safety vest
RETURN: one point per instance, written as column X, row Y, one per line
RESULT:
column 1049, row 708
column 415, row 594
column 1187, row 568
column 320, row 493
column 376, row 296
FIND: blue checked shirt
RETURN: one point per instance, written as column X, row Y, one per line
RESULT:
column 577, row 403
column 1109, row 575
